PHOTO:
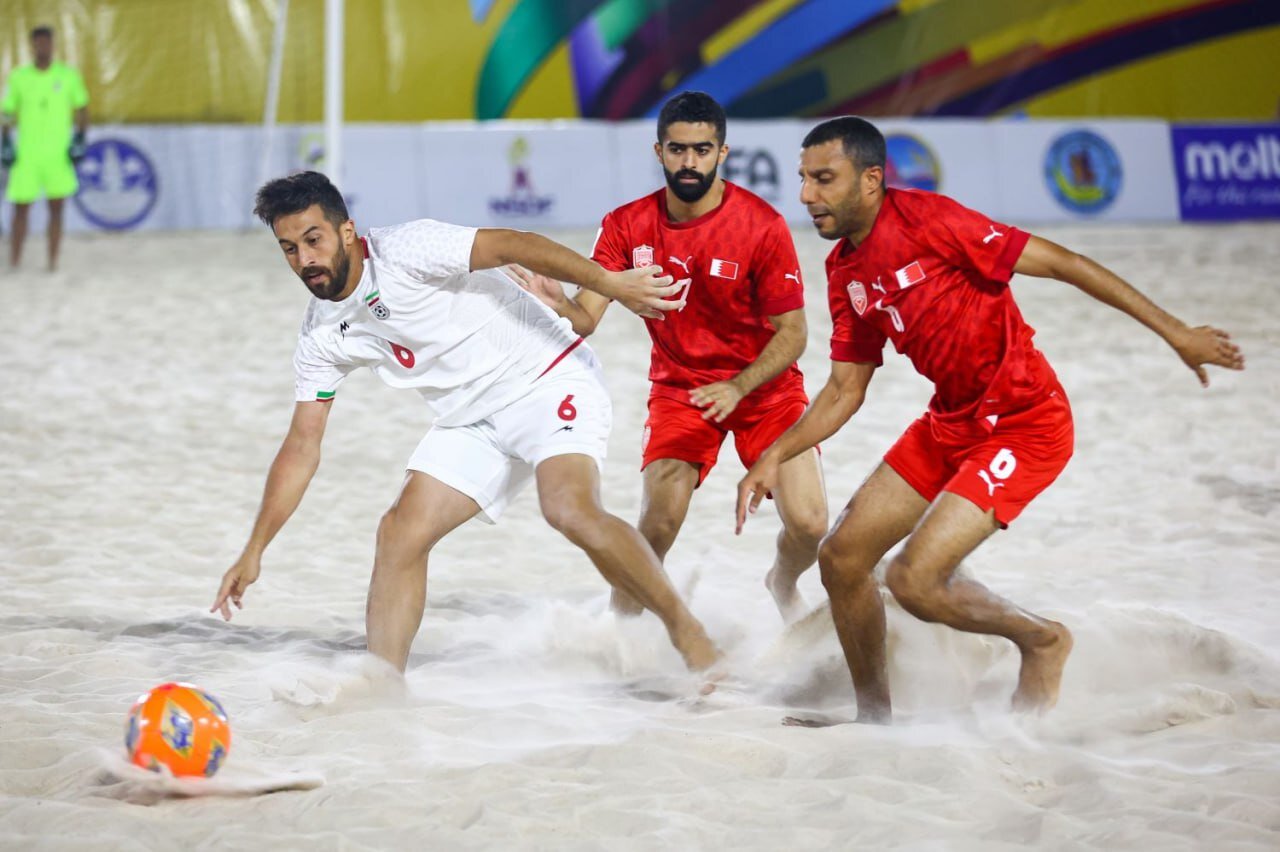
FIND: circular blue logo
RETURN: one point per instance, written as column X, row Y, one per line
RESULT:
column 118, row 185
column 310, row 152
column 911, row 164
column 1083, row 171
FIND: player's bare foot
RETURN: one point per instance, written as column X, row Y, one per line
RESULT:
column 712, row 680
column 699, row 652
column 1041, row 674
column 791, row 605
column 821, row 720
column 815, row 721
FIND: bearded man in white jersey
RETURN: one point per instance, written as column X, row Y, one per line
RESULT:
column 516, row 397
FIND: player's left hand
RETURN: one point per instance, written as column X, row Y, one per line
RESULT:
column 1207, row 345
column 549, row 291
column 717, row 400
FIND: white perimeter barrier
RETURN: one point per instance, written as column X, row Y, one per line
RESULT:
column 569, row 173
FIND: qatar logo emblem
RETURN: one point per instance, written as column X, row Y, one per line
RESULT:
column 641, row 256
column 118, row 185
column 858, row 296
column 1083, row 172
column 910, row 164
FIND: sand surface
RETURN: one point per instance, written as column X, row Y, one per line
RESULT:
column 146, row 388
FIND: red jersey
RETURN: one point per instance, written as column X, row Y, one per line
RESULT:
column 933, row 277
column 738, row 267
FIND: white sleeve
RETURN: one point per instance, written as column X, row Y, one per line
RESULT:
column 316, row 376
column 426, row 249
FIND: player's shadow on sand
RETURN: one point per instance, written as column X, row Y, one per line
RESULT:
column 1258, row 499
column 108, row 629
column 216, row 632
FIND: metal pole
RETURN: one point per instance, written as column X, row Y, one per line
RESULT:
column 270, row 106
column 333, row 59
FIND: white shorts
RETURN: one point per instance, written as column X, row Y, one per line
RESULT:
column 493, row 459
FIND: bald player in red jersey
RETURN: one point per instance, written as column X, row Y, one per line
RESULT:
column 725, row 362
column 932, row 276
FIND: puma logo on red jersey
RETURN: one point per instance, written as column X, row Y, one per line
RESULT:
column 683, row 264
column 991, row 486
column 991, row 236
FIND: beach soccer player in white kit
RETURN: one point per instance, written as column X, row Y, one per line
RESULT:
column 517, row 396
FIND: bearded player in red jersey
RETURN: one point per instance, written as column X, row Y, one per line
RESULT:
column 725, row 362
column 931, row 276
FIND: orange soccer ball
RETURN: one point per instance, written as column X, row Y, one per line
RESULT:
column 180, row 726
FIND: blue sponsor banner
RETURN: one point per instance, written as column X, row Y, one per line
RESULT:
column 1227, row 171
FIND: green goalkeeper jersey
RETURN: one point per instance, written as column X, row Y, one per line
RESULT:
column 44, row 103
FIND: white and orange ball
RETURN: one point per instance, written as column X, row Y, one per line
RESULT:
column 181, row 727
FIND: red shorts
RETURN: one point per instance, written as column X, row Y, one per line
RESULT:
column 676, row 430
column 1000, row 466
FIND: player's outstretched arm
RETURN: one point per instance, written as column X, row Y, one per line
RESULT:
column 641, row 291
column 838, row 400
column 295, row 463
column 719, row 399
column 1196, row 346
column 584, row 310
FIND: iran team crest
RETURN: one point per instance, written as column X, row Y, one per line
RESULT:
column 858, row 296
column 641, row 256
column 376, row 305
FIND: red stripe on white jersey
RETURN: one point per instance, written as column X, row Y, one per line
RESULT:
column 561, row 357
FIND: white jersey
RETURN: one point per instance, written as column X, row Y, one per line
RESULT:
column 469, row 342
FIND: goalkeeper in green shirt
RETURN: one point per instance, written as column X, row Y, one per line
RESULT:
column 50, row 106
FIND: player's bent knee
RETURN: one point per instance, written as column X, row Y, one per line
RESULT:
column 574, row 519
column 400, row 542
column 808, row 530
column 835, row 549
column 659, row 527
column 830, row 553
column 841, row 571
column 913, row 590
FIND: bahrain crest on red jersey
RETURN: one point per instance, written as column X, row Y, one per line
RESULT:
column 858, row 296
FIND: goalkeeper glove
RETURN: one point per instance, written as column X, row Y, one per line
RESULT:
column 7, row 155
column 78, row 147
